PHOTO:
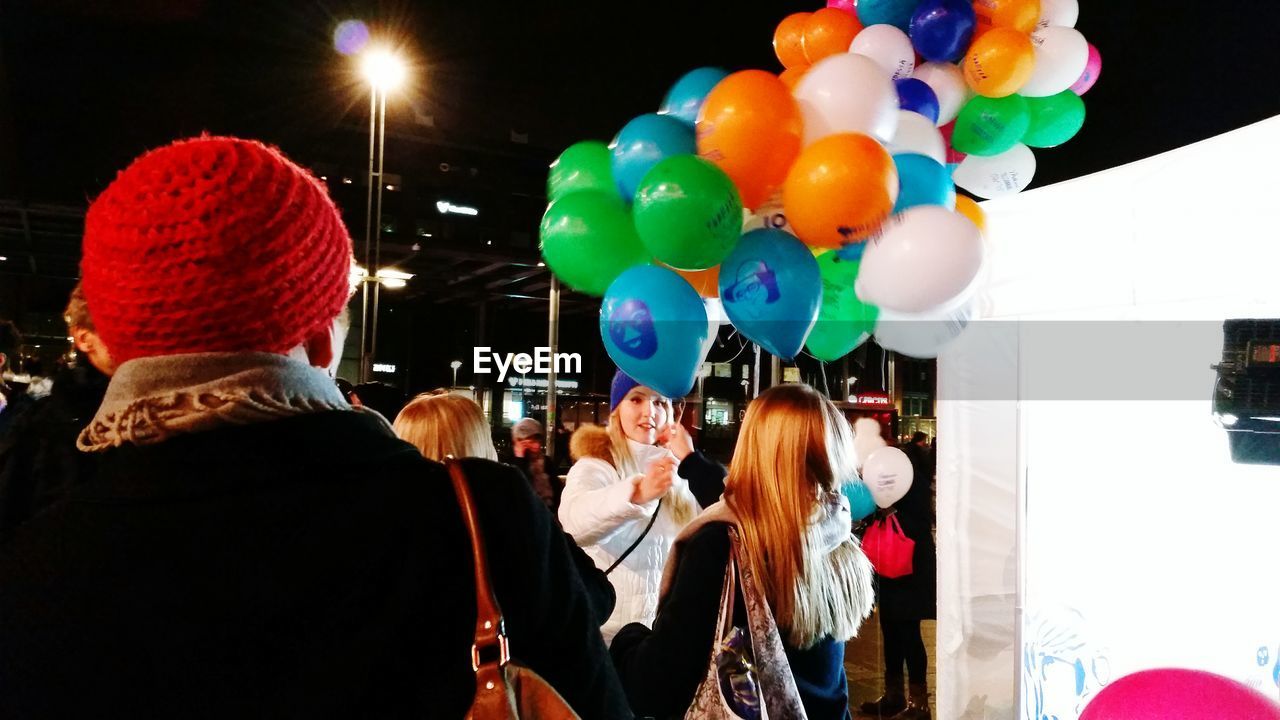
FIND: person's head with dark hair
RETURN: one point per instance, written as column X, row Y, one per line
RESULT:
column 388, row 401
column 918, row 438
column 10, row 343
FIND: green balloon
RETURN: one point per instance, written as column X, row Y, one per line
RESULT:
column 588, row 240
column 844, row 321
column 688, row 213
column 584, row 166
column 1054, row 119
column 989, row 126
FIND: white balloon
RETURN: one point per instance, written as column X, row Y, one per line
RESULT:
column 847, row 93
column 889, row 47
column 769, row 216
column 888, row 474
column 866, row 438
column 995, row 176
column 917, row 134
column 1061, row 56
column 1058, row 13
column 923, row 336
column 947, row 81
column 925, row 259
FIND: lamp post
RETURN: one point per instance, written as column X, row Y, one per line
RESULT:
column 384, row 71
column 455, row 365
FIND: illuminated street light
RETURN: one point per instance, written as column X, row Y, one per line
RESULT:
column 383, row 69
column 455, row 365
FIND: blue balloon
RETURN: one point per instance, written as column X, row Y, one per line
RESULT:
column 853, row 251
column 941, row 30
column 861, row 504
column 916, row 95
column 923, row 181
column 684, row 99
column 771, row 289
column 643, row 143
column 655, row 328
column 889, row 12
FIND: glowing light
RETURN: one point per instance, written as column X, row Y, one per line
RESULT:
column 384, row 368
column 445, row 207
column 394, row 274
column 383, row 69
column 350, row 37
column 1228, row 419
column 393, row 283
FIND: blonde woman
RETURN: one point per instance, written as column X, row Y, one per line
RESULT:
column 783, row 493
column 441, row 424
column 625, row 500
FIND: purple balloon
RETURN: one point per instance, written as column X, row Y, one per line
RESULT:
column 916, row 96
column 941, row 30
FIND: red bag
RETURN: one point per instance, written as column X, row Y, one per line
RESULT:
column 888, row 548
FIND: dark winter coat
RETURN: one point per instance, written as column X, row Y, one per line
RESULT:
column 914, row 596
column 661, row 668
column 39, row 463
column 307, row 567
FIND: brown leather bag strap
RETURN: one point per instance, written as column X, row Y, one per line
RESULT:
column 489, row 630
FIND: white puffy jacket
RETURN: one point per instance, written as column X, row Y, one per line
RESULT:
column 596, row 509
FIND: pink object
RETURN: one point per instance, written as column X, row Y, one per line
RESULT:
column 1092, row 69
column 849, row 6
column 954, row 156
column 888, row 548
column 1182, row 694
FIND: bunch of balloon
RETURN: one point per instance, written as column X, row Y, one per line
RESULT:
column 817, row 206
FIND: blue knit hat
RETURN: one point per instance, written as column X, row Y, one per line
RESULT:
column 622, row 384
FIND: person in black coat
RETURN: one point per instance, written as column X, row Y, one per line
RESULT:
column 905, row 601
column 251, row 546
column 39, row 462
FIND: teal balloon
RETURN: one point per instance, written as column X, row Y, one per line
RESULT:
column 583, row 166
column 655, row 329
column 861, row 504
column 588, row 239
column 844, row 321
column 688, row 213
column 989, row 126
column 1054, row 119
column 923, row 181
column 643, row 143
column 889, row 12
column 685, row 98
column 771, row 289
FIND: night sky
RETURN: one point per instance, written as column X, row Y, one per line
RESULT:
column 85, row 86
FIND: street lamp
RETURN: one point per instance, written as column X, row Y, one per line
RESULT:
column 384, row 71
column 455, row 365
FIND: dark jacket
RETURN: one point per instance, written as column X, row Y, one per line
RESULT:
column 661, row 668
column 307, row 567
column 914, row 596
column 39, row 462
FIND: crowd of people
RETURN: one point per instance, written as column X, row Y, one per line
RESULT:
column 196, row 521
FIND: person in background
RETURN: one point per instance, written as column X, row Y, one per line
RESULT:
column 908, row 600
column 784, row 496
column 13, row 400
column 39, row 462
column 526, row 456
column 440, row 424
column 250, row 545
column 625, row 500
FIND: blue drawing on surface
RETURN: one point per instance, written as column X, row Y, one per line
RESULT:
column 1062, row 668
column 756, row 285
column 1264, row 656
column 631, row 329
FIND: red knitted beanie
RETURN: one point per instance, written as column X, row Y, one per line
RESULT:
column 213, row 244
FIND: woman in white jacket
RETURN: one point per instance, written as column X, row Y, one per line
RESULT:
column 625, row 487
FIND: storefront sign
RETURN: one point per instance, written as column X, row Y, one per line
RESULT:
column 873, row 399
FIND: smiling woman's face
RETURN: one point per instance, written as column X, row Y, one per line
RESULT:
column 641, row 413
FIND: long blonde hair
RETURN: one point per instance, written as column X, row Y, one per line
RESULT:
column 441, row 424
column 795, row 447
column 627, row 466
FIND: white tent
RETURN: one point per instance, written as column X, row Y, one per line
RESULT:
column 1091, row 522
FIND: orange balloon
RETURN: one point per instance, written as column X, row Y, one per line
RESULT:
column 706, row 282
column 791, row 76
column 1020, row 15
column 970, row 209
column 999, row 63
column 829, row 32
column 750, row 127
column 788, row 40
column 840, row 190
